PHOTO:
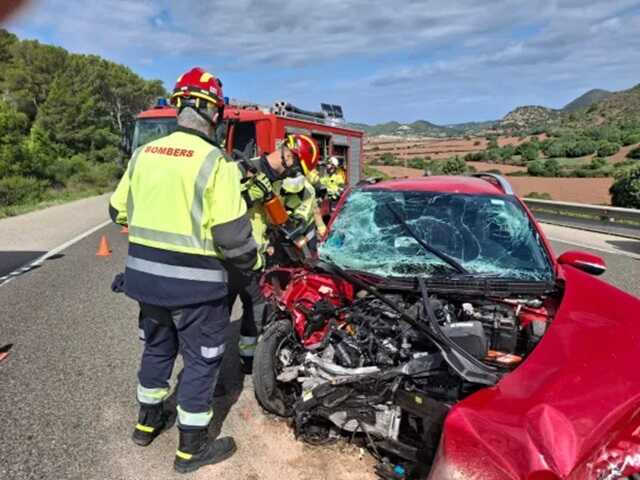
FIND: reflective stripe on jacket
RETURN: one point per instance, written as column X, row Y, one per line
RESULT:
column 181, row 199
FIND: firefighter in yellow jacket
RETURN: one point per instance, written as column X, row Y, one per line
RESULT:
column 333, row 181
column 188, row 223
column 281, row 173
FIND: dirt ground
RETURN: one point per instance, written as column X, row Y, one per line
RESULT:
column 580, row 190
column 435, row 148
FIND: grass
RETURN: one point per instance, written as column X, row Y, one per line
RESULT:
column 53, row 197
column 370, row 171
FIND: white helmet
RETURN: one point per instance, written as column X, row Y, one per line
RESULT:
column 334, row 161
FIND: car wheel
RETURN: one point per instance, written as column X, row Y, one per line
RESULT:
column 276, row 349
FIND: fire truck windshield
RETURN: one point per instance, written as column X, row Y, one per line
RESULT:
column 150, row 129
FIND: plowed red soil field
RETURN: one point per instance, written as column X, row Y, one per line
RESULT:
column 580, row 190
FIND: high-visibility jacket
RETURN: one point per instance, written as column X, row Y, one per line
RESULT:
column 181, row 199
column 334, row 183
column 298, row 197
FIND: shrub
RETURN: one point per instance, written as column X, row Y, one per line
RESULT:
column 539, row 195
column 416, row 163
column 552, row 168
column 454, row 166
column 635, row 153
column 555, row 149
column 506, row 153
column 476, row 143
column 631, row 139
column 625, row 192
column 103, row 175
column 581, row 147
column 475, row 157
column 605, row 133
column 492, row 155
column 17, row 190
column 597, row 163
column 388, row 159
column 547, row 168
column 536, row 168
column 607, row 149
column 493, row 142
column 530, row 154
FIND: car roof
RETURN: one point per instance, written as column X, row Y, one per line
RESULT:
column 450, row 184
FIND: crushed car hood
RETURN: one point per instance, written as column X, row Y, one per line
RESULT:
column 571, row 411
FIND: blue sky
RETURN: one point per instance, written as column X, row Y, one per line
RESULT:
column 446, row 61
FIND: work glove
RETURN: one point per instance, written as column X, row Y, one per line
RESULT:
column 258, row 188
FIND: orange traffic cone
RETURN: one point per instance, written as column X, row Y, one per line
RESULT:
column 125, row 230
column 103, row 249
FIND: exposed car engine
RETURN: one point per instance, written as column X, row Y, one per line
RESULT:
column 380, row 367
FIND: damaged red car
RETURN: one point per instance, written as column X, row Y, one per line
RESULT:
column 438, row 329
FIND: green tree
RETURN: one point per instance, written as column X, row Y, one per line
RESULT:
column 13, row 131
column 551, row 168
column 635, row 153
column 506, row 153
column 31, row 72
column 529, row 151
column 625, row 191
column 598, row 163
column 454, row 166
column 631, row 138
column 536, row 168
column 7, row 40
column 606, row 149
column 530, row 154
column 581, row 147
column 416, row 163
column 388, row 159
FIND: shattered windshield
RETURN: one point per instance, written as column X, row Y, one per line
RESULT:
column 487, row 235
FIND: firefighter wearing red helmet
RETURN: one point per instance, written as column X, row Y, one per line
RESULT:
column 285, row 170
column 281, row 172
column 188, row 226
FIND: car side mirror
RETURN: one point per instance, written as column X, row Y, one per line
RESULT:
column 584, row 261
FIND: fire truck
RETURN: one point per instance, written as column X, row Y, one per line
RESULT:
column 254, row 130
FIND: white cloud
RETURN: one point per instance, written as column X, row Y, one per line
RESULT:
column 431, row 52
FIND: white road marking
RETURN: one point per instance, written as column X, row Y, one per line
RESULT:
column 40, row 260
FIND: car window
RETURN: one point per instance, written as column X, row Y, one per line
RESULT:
column 150, row 129
column 487, row 235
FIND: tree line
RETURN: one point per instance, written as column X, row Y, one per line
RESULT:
column 62, row 119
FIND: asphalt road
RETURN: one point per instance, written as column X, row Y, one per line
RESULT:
column 67, row 390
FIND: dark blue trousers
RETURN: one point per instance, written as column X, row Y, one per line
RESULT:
column 198, row 333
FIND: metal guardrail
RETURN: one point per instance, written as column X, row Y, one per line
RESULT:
column 624, row 222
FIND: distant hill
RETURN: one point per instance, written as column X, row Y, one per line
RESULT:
column 423, row 128
column 618, row 105
column 419, row 128
column 595, row 107
column 528, row 117
column 586, row 100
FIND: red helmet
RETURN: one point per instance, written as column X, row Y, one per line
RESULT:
column 196, row 85
column 306, row 149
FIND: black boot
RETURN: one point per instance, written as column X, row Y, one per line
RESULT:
column 196, row 450
column 152, row 420
column 246, row 365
